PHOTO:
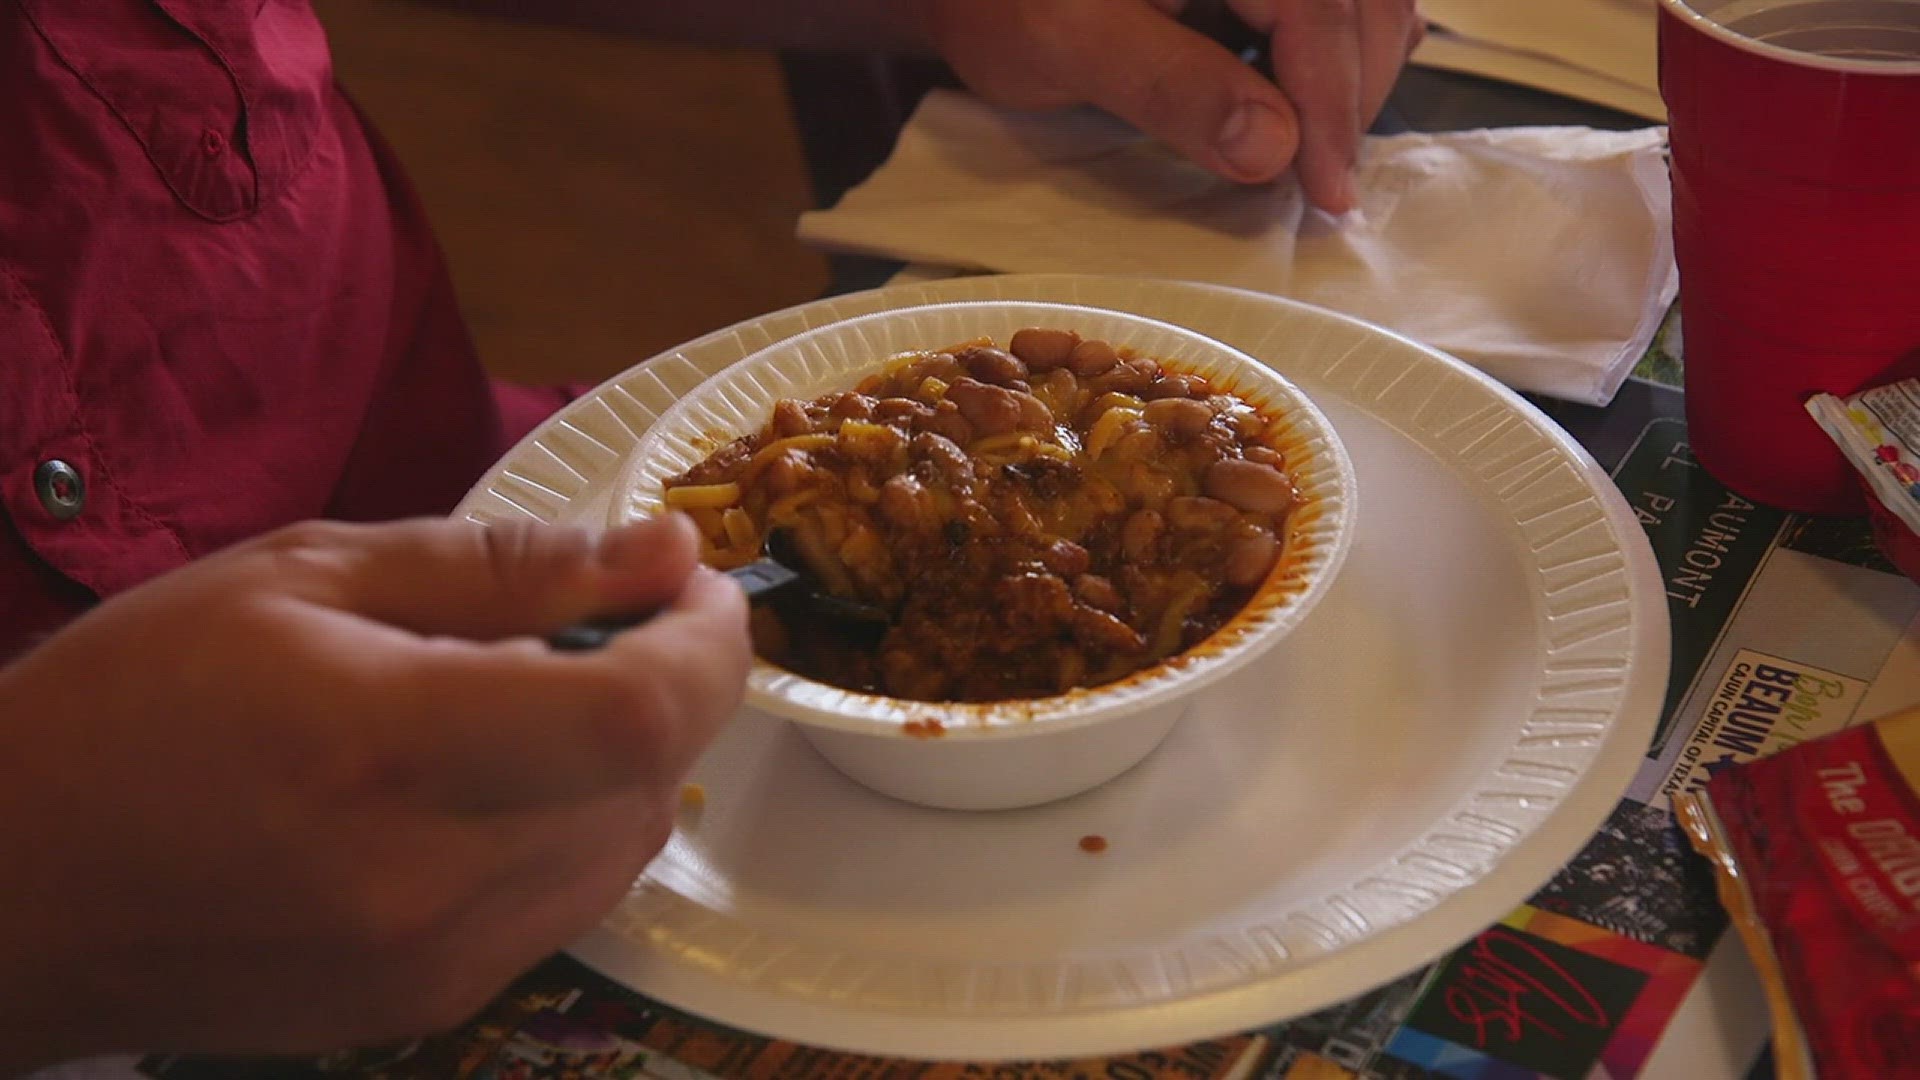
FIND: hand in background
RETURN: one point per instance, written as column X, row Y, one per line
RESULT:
column 1335, row 62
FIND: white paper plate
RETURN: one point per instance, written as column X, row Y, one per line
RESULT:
column 1445, row 731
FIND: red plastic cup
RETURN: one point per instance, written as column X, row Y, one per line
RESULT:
column 1795, row 132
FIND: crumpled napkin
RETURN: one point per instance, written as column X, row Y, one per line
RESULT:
column 1541, row 255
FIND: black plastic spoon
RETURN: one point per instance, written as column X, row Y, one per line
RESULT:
column 778, row 571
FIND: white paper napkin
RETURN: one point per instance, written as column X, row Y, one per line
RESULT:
column 1541, row 255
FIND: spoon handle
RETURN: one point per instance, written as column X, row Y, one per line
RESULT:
column 757, row 579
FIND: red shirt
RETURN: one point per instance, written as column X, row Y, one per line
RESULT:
column 221, row 309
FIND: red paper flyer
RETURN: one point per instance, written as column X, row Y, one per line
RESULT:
column 1818, row 856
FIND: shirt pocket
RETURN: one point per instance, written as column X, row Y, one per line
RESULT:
column 97, row 534
column 169, row 86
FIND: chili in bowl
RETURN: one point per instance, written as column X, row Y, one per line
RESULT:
column 1074, row 518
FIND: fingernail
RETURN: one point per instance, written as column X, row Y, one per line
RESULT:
column 1257, row 141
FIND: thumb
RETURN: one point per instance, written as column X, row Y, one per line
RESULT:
column 1183, row 88
column 491, row 582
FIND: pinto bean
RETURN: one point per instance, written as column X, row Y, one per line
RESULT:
column 788, row 472
column 876, row 445
column 1176, row 386
column 908, row 503
column 978, row 520
column 1136, row 584
column 943, row 366
column 1057, row 383
column 1014, row 513
column 1145, row 484
column 1097, row 591
column 1092, row 358
column 1034, row 600
column 1141, row 534
column 790, row 419
column 996, row 410
column 992, row 410
column 1140, row 443
column 947, row 421
column 1132, row 377
column 851, row 406
column 1248, row 424
column 1200, row 513
column 1249, row 485
column 1266, row 455
column 896, row 410
column 1060, row 391
column 1034, row 414
column 1042, row 349
column 1250, row 558
column 1066, row 558
column 720, row 466
column 949, row 462
column 1181, row 417
column 993, row 366
column 1098, row 630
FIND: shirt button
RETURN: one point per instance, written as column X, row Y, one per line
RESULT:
column 212, row 143
column 62, row 490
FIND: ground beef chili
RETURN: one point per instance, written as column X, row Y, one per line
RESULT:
column 1057, row 514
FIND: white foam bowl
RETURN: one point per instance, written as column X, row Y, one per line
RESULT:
column 1008, row 754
